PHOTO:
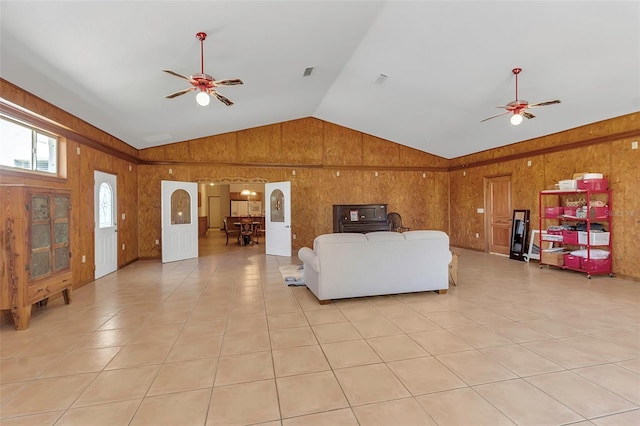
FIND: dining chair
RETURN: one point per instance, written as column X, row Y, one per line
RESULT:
column 246, row 230
column 259, row 230
column 231, row 232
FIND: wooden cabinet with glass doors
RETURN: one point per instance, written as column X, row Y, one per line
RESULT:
column 36, row 251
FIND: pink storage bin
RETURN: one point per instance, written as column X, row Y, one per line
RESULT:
column 570, row 237
column 596, row 265
column 571, row 261
column 570, row 211
column 553, row 211
column 593, row 184
column 598, row 212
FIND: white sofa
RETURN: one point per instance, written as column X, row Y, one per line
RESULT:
column 345, row 265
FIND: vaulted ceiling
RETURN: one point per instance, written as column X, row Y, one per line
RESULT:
column 447, row 65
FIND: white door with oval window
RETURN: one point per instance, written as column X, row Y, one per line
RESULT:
column 179, row 220
column 106, row 211
column 278, row 218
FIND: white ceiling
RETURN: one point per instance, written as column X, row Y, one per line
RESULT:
column 448, row 64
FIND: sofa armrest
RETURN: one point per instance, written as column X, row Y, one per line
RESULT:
column 309, row 258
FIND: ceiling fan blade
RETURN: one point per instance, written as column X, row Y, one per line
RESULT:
column 527, row 114
column 181, row 92
column 176, row 74
column 228, row 82
column 497, row 115
column 221, row 98
column 539, row 104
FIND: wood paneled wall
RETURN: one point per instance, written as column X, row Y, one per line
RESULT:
column 429, row 191
column 325, row 163
column 80, row 168
column 592, row 150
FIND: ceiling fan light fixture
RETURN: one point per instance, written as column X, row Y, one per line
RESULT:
column 203, row 98
column 516, row 119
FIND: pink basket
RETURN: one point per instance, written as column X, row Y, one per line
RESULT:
column 553, row 211
column 593, row 184
column 570, row 237
column 571, row 261
column 596, row 265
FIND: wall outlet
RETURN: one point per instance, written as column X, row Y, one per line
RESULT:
column 123, row 247
column 123, row 216
column 170, row 171
column 477, row 235
column 157, row 242
column 529, row 163
column 294, row 236
column 634, row 145
column 84, row 258
column 480, row 210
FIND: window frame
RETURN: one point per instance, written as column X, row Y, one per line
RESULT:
column 60, row 159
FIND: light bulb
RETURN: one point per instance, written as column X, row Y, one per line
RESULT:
column 203, row 99
column 516, row 119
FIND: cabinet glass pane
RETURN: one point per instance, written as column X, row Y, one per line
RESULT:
column 40, row 236
column 62, row 232
column 39, row 207
column 61, row 258
column 62, row 207
column 39, row 264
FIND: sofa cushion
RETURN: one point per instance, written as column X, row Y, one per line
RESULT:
column 384, row 236
column 426, row 235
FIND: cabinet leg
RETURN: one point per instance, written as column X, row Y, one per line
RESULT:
column 67, row 296
column 21, row 316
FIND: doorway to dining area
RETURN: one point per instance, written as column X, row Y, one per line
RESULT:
column 234, row 199
column 225, row 200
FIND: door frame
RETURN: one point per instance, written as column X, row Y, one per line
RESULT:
column 488, row 214
column 98, row 178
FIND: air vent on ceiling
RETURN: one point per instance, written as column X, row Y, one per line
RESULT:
column 381, row 78
column 307, row 71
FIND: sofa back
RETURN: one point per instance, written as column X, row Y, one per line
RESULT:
column 382, row 262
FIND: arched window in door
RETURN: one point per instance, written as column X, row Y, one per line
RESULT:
column 180, row 207
column 105, row 206
column 276, row 199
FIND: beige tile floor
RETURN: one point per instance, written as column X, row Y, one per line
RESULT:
column 222, row 341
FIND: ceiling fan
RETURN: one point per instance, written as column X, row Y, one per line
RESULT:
column 203, row 82
column 519, row 107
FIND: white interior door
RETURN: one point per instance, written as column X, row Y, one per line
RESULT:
column 278, row 218
column 179, row 220
column 106, row 213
